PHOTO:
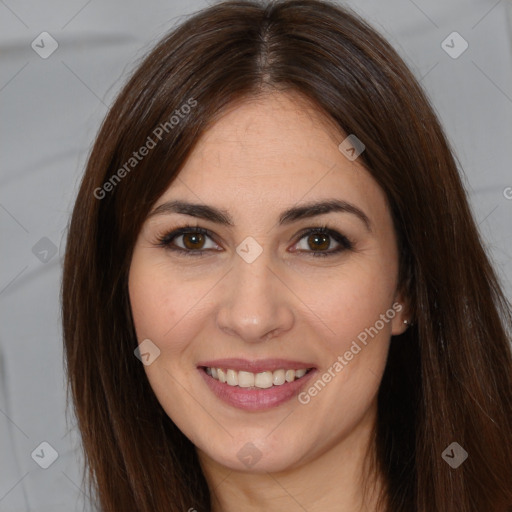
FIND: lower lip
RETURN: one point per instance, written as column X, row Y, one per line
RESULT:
column 256, row 399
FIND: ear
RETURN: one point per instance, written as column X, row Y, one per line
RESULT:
column 402, row 319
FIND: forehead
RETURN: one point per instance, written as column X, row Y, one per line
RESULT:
column 271, row 151
column 274, row 132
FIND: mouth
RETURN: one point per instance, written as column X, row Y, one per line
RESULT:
column 255, row 385
column 260, row 380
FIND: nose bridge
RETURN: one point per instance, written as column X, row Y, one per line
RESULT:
column 254, row 280
column 254, row 302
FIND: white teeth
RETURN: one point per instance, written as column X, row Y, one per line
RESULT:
column 263, row 380
column 232, row 378
column 245, row 379
column 279, row 377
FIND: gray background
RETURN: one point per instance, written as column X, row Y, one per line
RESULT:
column 51, row 109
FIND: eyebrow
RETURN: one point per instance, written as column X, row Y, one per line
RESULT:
column 222, row 217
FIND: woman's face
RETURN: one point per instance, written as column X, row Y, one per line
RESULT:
column 258, row 296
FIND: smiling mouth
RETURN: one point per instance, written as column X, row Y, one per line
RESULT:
column 260, row 380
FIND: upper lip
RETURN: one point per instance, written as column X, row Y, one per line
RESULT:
column 255, row 366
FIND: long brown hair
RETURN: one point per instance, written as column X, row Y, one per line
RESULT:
column 448, row 377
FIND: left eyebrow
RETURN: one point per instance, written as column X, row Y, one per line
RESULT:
column 222, row 217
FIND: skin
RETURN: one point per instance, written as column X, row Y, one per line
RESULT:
column 264, row 155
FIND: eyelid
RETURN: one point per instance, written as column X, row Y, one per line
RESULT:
column 343, row 241
column 168, row 237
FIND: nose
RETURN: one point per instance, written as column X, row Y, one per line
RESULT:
column 255, row 303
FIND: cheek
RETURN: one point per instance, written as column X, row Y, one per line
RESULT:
column 159, row 304
column 148, row 301
column 356, row 312
column 163, row 311
column 352, row 301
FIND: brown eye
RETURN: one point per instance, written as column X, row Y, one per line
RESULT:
column 193, row 240
column 189, row 241
column 319, row 241
column 323, row 241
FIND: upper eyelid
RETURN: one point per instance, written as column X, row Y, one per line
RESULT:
column 172, row 234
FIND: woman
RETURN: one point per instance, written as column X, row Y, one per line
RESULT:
column 327, row 333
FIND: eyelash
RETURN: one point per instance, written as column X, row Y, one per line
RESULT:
column 166, row 240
